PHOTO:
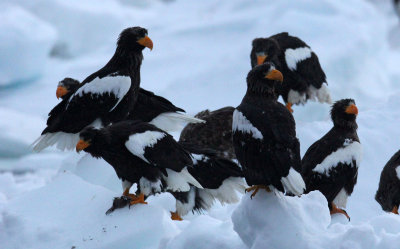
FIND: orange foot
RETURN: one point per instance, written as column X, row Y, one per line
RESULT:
column 336, row 210
column 175, row 216
column 126, row 193
column 395, row 210
column 255, row 189
column 138, row 200
column 289, row 106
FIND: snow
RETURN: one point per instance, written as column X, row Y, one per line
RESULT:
column 25, row 43
column 200, row 61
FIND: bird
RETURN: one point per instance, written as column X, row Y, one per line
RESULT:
column 304, row 78
column 143, row 154
column 149, row 107
column 104, row 97
column 66, row 88
column 160, row 112
column 388, row 194
column 215, row 133
column 396, row 4
column 221, row 179
column 330, row 165
column 264, row 136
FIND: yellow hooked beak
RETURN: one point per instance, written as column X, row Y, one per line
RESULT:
column 274, row 75
column 61, row 91
column 352, row 109
column 81, row 145
column 146, row 41
column 261, row 59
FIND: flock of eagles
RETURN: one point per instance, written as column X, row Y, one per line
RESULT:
column 250, row 148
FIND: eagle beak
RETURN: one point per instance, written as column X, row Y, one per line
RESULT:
column 274, row 75
column 81, row 145
column 61, row 91
column 352, row 109
column 146, row 41
column 261, row 59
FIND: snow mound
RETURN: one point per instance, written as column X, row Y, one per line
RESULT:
column 206, row 232
column 18, row 130
column 25, row 43
column 74, row 216
column 304, row 222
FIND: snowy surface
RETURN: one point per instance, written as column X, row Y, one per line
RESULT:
column 200, row 60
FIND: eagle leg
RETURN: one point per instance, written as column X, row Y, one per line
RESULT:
column 126, row 193
column 255, row 189
column 395, row 210
column 138, row 200
column 336, row 210
column 289, row 106
column 175, row 216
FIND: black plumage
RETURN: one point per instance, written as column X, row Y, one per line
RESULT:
column 396, row 4
column 264, row 135
column 330, row 165
column 149, row 107
column 388, row 194
column 215, row 133
column 140, row 153
column 303, row 76
column 105, row 96
column 220, row 178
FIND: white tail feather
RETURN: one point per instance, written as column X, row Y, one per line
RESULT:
column 173, row 121
column 227, row 192
column 322, row 94
column 293, row 183
column 63, row 141
column 179, row 181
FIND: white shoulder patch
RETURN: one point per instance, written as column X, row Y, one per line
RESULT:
column 293, row 56
column 118, row 85
column 352, row 150
column 241, row 123
column 398, row 171
column 137, row 143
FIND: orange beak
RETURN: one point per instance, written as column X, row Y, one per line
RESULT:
column 81, row 145
column 274, row 75
column 352, row 109
column 61, row 91
column 261, row 59
column 146, row 41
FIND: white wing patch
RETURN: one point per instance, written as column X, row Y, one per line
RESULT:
column 118, row 85
column 241, row 123
column 137, row 143
column 293, row 56
column 398, row 171
column 352, row 150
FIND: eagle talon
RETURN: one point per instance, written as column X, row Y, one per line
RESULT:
column 336, row 210
column 138, row 200
column 395, row 210
column 175, row 216
column 255, row 189
column 289, row 107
